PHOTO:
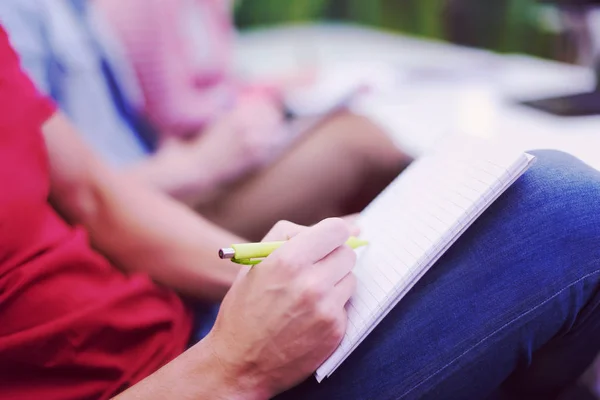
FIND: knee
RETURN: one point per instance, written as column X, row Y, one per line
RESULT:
column 548, row 222
column 367, row 144
column 560, row 196
column 561, row 180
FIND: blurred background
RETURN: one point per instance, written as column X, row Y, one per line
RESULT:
column 525, row 26
column 418, row 72
column 525, row 72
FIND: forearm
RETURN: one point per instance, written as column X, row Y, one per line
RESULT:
column 192, row 171
column 174, row 170
column 273, row 329
column 196, row 375
column 141, row 230
column 136, row 227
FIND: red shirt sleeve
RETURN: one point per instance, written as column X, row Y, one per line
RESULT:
column 19, row 99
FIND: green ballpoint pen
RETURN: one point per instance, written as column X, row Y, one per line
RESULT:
column 253, row 253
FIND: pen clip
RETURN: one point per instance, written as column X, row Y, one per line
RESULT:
column 251, row 262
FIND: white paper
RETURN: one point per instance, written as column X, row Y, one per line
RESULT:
column 412, row 224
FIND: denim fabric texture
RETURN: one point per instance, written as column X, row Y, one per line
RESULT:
column 511, row 311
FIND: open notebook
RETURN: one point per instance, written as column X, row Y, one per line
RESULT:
column 412, row 224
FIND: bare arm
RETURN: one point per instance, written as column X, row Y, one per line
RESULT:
column 199, row 169
column 182, row 169
column 276, row 325
column 136, row 227
column 195, row 375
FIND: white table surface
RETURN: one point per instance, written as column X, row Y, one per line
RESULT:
column 425, row 91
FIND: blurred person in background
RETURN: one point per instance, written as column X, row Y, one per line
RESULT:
column 219, row 159
column 181, row 52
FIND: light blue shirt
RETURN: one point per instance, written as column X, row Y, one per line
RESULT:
column 57, row 51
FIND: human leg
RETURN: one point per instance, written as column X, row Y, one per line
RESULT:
column 338, row 169
column 516, row 299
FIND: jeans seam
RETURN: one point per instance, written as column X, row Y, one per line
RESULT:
column 498, row 331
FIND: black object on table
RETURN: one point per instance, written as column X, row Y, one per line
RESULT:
column 581, row 104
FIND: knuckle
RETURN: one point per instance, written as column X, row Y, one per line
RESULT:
column 332, row 321
column 283, row 261
column 339, row 329
column 282, row 226
column 283, row 230
column 352, row 281
column 349, row 255
column 310, row 293
column 326, row 315
column 338, row 227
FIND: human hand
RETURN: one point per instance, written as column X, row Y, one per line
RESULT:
column 199, row 167
column 196, row 169
column 282, row 319
column 244, row 138
column 276, row 86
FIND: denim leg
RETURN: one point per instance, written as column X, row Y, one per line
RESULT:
column 514, row 300
column 205, row 315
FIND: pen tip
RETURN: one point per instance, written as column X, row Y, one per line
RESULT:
column 226, row 253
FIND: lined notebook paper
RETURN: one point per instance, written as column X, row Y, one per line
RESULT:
column 412, row 223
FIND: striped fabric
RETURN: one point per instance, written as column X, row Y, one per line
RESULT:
column 180, row 50
column 61, row 51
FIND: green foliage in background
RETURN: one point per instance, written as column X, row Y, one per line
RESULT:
column 501, row 25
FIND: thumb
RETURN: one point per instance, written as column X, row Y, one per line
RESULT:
column 283, row 230
column 244, row 270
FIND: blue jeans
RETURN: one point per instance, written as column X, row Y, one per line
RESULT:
column 511, row 310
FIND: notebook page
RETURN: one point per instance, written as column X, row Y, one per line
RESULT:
column 412, row 224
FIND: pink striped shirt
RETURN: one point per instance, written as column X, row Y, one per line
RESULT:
column 181, row 52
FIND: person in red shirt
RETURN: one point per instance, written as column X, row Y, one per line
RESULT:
column 93, row 264
column 68, row 315
column 73, row 325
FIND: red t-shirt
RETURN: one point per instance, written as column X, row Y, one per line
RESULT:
column 71, row 325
